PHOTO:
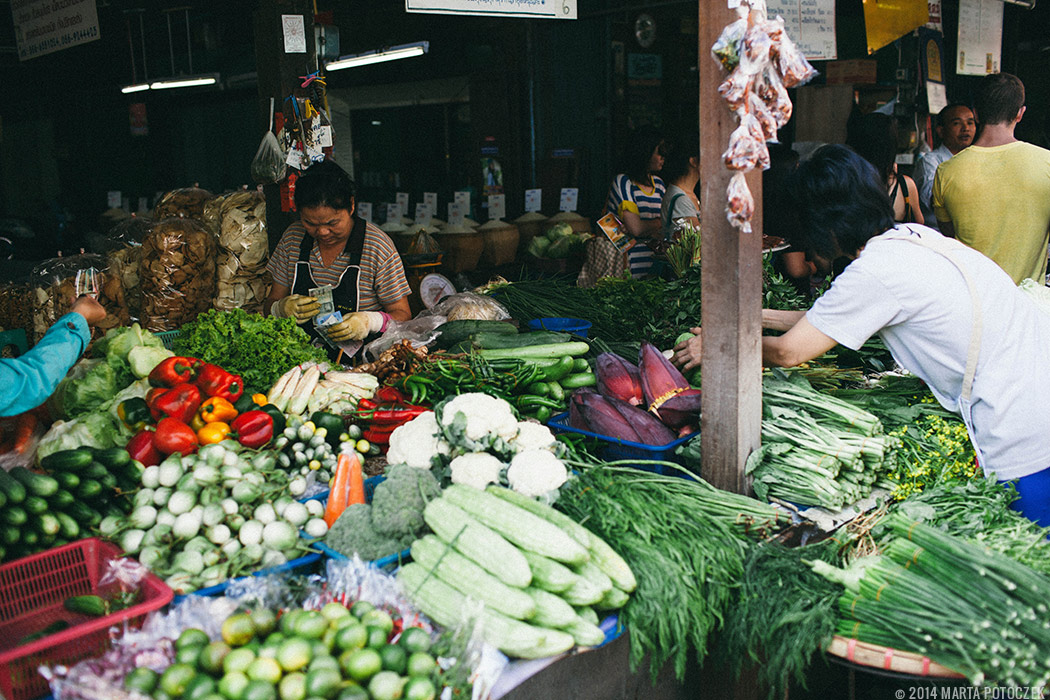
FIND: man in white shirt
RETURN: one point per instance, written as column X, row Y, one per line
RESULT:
column 956, row 128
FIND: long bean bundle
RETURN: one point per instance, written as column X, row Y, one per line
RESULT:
column 964, row 606
column 684, row 540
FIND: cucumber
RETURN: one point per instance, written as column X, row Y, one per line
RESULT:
column 559, row 371
column 477, row 542
column 9, row 535
column 36, row 484
column 538, row 351
column 14, row 515
column 453, row 332
column 95, row 470
column 83, row 514
column 113, row 457
column 67, row 460
column 581, row 379
column 555, row 391
column 13, row 490
column 69, row 528
column 30, row 539
column 581, row 365
column 495, row 341
column 109, row 481
column 67, row 480
column 48, row 525
column 551, row 611
column 89, row 488
column 35, row 505
column 62, row 499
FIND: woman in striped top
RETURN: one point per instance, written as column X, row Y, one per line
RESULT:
column 636, row 195
column 329, row 245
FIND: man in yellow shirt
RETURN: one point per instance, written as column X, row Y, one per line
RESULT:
column 995, row 195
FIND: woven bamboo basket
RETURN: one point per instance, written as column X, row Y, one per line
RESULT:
column 501, row 242
column 875, row 656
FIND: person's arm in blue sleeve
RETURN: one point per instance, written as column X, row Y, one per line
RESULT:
column 27, row 381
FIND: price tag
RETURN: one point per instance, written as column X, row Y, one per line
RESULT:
column 569, row 195
column 463, row 200
column 533, row 200
column 393, row 212
column 364, row 210
column 323, row 134
column 402, row 201
column 113, row 199
column 431, row 200
column 295, row 157
column 455, row 214
column 497, row 206
column 422, row 215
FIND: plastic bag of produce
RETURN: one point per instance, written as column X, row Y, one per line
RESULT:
column 213, row 213
column 186, row 201
column 269, row 164
column 243, row 281
column 57, row 283
column 123, row 250
column 177, row 273
column 468, row 305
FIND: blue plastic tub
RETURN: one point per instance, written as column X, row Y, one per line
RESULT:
column 614, row 449
column 562, row 325
column 297, row 565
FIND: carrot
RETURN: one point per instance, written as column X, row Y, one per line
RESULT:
column 25, row 426
column 347, row 487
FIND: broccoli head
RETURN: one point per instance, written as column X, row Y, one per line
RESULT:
column 352, row 533
column 398, row 502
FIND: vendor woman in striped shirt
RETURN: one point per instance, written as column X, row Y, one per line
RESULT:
column 330, row 245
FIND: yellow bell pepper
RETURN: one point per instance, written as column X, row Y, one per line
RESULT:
column 213, row 432
column 196, row 423
column 259, row 399
column 217, row 409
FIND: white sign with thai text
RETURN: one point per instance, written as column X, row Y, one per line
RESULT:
column 45, row 26
column 537, row 9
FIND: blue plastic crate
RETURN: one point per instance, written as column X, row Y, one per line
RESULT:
column 168, row 337
column 614, row 449
column 293, row 565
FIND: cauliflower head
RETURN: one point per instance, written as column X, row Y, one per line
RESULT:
column 417, row 443
column 486, row 417
column 534, row 436
column 477, row 469
column 399, row 500
column 536, row 473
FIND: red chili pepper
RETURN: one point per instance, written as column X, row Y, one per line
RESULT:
column 389, row 395
column 253, row 428
column 180, row 402
column 215, row 381
column 366, row 405
column 173, row 435
column 141, row 448
column 174, row 370
column 397, row 416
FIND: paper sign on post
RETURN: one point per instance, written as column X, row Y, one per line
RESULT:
column 364, row 210
column 431, row 200
column 497, row 206
column 294, row 29
column 113, row 199
column 462, row 198
column 533, row 200
column 615, row 231
column 402, row 201
column 422, row 215
column 569, row 196
column 455, row 214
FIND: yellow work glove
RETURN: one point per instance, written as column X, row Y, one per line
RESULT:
column 356, row 326
column 301, row 308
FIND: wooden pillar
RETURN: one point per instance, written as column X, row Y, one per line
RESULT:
column 278, row 77
column 732, row 285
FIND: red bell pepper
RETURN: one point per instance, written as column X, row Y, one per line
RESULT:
column 151, row 400
column 141, row 448
column 180, row 402
column 253, row 428
column 172, row 435
column 215, row 381
column 174, row 370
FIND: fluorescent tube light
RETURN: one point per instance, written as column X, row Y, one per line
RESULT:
column 187, row 81
column 379, row 56
column 128, row 89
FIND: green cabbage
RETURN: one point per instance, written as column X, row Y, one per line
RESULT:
column 559, row 230
column 100, row 430
column 88, row 385
column 538, row 246
column 143, row 358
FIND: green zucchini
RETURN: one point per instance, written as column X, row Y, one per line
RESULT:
column 519, row 526
column 538, row 351
column 579, row 380
column 453, row 332
column 478, row 542
column 62, row 499
column 14, row 515
column 67, row 480
column 445, row 605
column 69, row 528
column 13, row 490
column 36, row 484
column 47, row 524
column 470, row 579
column 496, row 341
column 549, row 574
column 35, row 505
column 113, row 457
column 67, row 460
column 551, row 611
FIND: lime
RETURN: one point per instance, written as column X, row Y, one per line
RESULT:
column 328, row 638
column 352, row 691
column 362, row 664
column 294, row 654
column 265, row 620
column 311, row 624
column 353, row 636
column 334, row 611
column 292, row 687
column 360, row 608
column 199, row 687
column 324, row 661
column 264, row 669
column 191, row 637
column 378, row 618
column 420, row 663
column 394, row 658
column 212, row 656
column 345, row 622
column 377, row 637
column 287, row 621
column 142, row 680
column 268, row 651
column 213, row 696
column 386, row 685
column 175, row 679
column 232, row 685
column 323, row 682
column 260, row 690
column 415, row 639
column 188, row 654
column 238, row 660
column 238, row 630
column 419, row 689
column 319, row 648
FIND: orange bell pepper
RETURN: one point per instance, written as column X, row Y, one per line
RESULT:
column 213, row 432
column 217, row 409
column 259, row 399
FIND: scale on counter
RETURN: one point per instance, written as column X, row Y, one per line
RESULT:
column 433, row 288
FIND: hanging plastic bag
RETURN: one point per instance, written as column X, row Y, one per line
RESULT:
column 269, row 165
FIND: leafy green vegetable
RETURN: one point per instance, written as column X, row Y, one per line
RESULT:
column 143, row 358
column 97, row 429
column 258, row 348
column 87, row 386
column 118, row 342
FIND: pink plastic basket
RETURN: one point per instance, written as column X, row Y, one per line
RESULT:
column 32, row 590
